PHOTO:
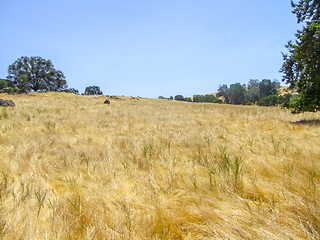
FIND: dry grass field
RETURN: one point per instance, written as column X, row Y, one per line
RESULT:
column 72, row 167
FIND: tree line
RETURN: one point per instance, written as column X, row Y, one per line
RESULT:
column 196, row 98
column 262, row 93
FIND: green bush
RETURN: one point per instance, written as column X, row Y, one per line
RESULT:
column 217, row 100
column 72, row 90
column 206, row 98
column 247, row 102
column 3, row 83
column 12, row 90
column 271, row 100
column 286, row 99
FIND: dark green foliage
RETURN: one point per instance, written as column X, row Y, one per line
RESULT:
column 3, row 83
column 301, row 68
column 252, row 95
column 247, row 102
column 264, row 93
column 72, row 90
column 217, row 100
column 93, row 90
column 271, row 100
column 240, row 94
column 206, row 98
column 285, row 100
column 235, row 94
column 267, row 88
column 253, row 83
column 223, row 92
column 179, row 98
column 37, row 74
column 12, row 90
column 307, row 10
column 304, row 102
column 198, row 98
column 8, row 87
column 253, row 92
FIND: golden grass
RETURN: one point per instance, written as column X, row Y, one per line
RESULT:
column 72, row 167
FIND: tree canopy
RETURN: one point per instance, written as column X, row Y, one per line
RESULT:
column 93, row 90
column 267, row 88
column 235, row 94
column 301, row 67
column 306, row 10
column 252, row 93
column 37, row 74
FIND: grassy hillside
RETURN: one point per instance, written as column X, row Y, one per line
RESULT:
column 72, row 167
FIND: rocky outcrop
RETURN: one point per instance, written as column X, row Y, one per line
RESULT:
column 7, row 103
column 107, row 101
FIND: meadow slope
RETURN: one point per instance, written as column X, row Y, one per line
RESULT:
column 72, row 167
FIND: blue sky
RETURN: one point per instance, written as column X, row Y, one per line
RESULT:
column 150, row 48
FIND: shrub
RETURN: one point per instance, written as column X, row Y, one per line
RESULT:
column 247, row 102
column 206, row 98
column 3, row 83
column 271, row 100
column 217, row 100
column 72, row 90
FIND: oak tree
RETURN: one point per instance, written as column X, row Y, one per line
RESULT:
column 301, row 67
column 37, row 74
